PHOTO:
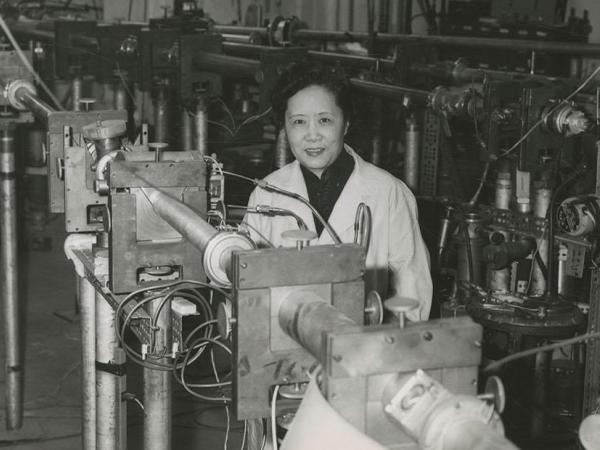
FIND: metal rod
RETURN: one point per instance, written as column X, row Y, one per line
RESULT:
column 304, row 316
column 158, row 386
column 87, row 312
column 182, row 218
column 40, row 109
column 412, row 157
column 110, row 381
column 353, row 60
column 200, row 133
column 161, row 114
column 391, row 92
column 227, row 65
column 76, row 93
column 187, row 141
column 9, row 279
column 570, row 48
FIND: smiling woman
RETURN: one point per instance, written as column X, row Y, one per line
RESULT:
column 312, row 103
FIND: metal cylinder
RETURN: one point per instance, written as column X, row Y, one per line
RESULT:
column 33, row 103
column 9, row 279
column 561, row 276
column 469, row 256
column 87, row 313
column 227, row 65
column 161, row 114
column 34, row 147
column 503, row 191
column 200, row 130
column 187, row 140
column 411, row 161
column 110, row 380
column 541, row 204
column 182, row 218
column 157, row 385
column 120, row 98
column 76, row 93
column 283, row 155
column 500, row 279
column 304, row 316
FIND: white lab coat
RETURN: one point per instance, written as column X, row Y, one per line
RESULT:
column 396, row 246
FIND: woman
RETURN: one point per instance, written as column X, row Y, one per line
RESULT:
column 313, row 104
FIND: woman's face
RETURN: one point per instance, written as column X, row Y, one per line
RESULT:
column 315, row 128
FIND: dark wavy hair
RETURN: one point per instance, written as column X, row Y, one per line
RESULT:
column 300, row 75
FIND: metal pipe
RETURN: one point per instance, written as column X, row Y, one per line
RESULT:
column 187, row 140
column 9, row 278
column 227, row 65
column 541, row 204
column 500, row 279
column 200, row 131
column 412, row 156
column 110, row 381
column 157, row 385
column 391, row 92
column 304, row 316
column 87, row 315
column 40, row 109
column 76, row 93
column 182, row 218
column 161, row 114
column 570, row 48
column 120, row 98
column 352, row 60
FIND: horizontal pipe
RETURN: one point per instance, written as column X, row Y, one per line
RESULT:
column 40, row 109
column 570, row 48
column 183, row 219
column 352, row 60
column 391, row 92
column 304, row 316
column 31, row 33
column 227, row 65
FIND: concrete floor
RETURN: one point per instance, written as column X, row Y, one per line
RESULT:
column 52, row 350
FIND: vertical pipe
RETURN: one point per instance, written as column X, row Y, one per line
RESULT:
column 76, row 92
column 411, row 163
column 282, row 152
column 200, row 125
column 161, row 114
column 500, row 279
column 110, row 377
column 9, row 278
column 187, row 140
column 561, row 276
column 540, row 391
column 120, row 99
column 87, row 308
column 542, row 196
column 157, row 386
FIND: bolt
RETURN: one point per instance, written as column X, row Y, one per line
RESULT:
column 244, row 265
column 427, row 336
column 389, row 339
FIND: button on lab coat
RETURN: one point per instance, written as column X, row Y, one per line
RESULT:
column 397, row 259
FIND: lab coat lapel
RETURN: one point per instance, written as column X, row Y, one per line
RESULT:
column 296, row 184
column 344, row 212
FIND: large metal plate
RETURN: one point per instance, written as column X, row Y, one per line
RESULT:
column 134, row 174
column 288, row 266
column 424, row 345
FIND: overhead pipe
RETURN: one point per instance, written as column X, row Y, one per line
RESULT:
column 227, row 65
column 570, row 48
column 391, row 92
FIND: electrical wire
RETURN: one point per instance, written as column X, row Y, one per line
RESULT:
column 28, row 65
column 551, row 111
column 270, row 187
column 544, row 348
column 244, row 435
column 273, row 417
column 260, row 235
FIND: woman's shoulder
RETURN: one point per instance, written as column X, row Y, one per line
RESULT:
column 282, row 176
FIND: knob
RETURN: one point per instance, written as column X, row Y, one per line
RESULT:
column 302, row 237
column 157, row 148
column 399, row 306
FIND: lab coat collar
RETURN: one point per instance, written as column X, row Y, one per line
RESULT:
column 342, row 217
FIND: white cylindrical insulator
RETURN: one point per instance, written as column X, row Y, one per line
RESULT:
column 200, row 126
column 503, row 192
column 541, row 201
column 411, row 164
